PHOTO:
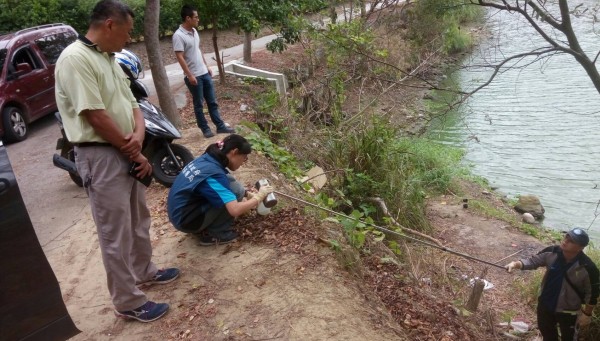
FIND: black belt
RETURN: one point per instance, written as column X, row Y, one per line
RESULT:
column 92, row 144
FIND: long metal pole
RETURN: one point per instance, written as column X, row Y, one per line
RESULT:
column 383, row 229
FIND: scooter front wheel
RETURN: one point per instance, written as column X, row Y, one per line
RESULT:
column 164, row 167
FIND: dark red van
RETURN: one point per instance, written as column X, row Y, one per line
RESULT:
column 27, row 60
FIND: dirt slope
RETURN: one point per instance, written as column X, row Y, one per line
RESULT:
column 271, row 285
column 280, row 282
column 466, row 231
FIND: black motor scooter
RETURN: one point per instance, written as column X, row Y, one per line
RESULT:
column 167, row 158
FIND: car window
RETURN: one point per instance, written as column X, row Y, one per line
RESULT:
column 25, row 55
column 52, row 45
column 3, row 53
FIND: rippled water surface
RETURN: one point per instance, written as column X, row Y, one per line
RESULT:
column 534, row 130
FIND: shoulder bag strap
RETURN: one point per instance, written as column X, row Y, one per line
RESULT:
column 579, row 293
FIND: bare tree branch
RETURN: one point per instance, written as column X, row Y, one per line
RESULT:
column 564, row 26
column 498, row 67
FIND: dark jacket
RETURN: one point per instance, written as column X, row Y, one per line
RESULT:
column 583, row 274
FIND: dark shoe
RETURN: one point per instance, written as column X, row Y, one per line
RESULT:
column 208, row 133
column 223, row 238
column 226, row 130
column 163, row 276
column 148, row 312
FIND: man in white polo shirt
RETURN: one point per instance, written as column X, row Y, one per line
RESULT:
column 198, row 77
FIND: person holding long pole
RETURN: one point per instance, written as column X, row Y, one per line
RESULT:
column 570, row 287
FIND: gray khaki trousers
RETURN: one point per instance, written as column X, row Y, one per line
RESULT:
column 118, row 204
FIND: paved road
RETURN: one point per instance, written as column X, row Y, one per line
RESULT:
column 53, row 201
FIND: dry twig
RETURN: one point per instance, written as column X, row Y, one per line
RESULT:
column 385, row 212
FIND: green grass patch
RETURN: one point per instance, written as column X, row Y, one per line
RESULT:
column 283, row 159
column 489, row 210
column 430, row 20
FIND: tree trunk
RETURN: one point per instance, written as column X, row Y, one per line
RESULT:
column 567, row 43
column 332, row 12
column 159, row 75
column 215, row 37
column 363, row 9
column 588, row 65
column 248, row 47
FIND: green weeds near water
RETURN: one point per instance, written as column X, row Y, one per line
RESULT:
column 401, row 171
column 430, row 19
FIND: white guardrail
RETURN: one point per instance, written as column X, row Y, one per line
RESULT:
column 242, row 71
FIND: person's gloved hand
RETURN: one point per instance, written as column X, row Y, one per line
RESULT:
column 512, row 266
column 583, row 320
column 263, row 192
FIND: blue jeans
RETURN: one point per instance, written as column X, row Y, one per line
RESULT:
column 205, row 90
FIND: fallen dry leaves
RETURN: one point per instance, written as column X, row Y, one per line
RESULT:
column 287, row 229
column 423, row 315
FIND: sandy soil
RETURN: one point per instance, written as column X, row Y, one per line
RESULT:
column 260, row 289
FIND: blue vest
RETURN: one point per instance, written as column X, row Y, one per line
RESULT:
column 183, row 192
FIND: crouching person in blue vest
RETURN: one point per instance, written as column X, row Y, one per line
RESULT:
column 205, row 198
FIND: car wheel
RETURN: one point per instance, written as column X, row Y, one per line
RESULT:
column 15, row 127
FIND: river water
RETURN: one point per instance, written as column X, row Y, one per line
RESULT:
column 534, row 130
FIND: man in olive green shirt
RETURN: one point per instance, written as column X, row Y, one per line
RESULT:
column 100, row 115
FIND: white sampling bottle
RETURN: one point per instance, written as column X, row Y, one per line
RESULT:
column 264, row 207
